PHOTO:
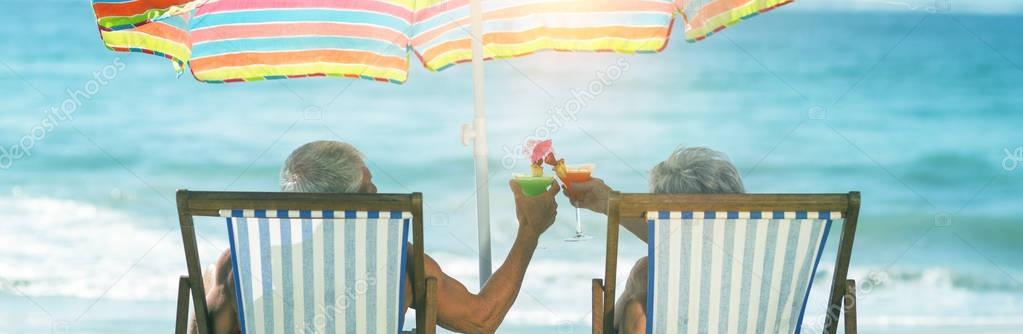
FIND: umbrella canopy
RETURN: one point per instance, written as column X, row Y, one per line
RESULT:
column 224, row 41
column 252, row 40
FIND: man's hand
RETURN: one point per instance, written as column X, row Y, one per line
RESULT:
column 535, row 213
column 591, row 195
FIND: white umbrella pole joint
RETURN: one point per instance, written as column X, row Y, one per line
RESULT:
column 477, row 132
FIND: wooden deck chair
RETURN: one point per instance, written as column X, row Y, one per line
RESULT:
column 312, row 262
column 732, row 263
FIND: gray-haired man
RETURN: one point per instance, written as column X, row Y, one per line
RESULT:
column 695, row 170
column 330, row 166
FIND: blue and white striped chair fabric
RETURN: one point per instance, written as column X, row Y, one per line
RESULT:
column 732, row 272
column 304, row 271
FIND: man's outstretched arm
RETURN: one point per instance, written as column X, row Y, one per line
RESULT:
column 462, row 311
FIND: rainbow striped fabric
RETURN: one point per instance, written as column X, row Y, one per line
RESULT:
column 146, row 27
column 703, row 18
column 251, row 40
column 514, row 28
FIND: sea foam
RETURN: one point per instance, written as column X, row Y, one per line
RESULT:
column 56, row 247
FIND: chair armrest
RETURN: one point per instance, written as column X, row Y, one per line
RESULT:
column 598, row 306
column 181, row 324
column 850, row 306
column 431, row 307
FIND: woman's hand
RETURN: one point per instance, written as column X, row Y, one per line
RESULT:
column 591, row 195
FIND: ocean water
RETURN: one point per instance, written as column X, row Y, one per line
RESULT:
column 919, row 111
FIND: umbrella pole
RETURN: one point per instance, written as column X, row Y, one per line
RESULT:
column 480, row 152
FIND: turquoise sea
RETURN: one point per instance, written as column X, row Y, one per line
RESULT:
column 919, row 110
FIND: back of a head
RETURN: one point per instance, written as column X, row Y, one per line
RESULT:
column 323, row 166
column 696, row 170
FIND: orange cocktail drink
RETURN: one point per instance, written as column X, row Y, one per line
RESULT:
column 577, row 173
column 570, row 174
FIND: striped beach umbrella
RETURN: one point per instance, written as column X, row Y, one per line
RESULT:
column 250, row 40
column 224, row 41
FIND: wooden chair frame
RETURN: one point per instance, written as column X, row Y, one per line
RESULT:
column 209, row 204
column 635, row 206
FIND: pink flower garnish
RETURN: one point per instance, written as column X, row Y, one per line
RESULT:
column 538, row 150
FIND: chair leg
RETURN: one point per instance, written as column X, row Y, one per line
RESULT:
column 850, row 306
column 598, row 306
column 181, row 324
column 431, row 307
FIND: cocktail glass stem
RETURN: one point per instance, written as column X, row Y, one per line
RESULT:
column 578, row 223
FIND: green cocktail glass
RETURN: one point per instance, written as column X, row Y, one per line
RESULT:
column 533, row 185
